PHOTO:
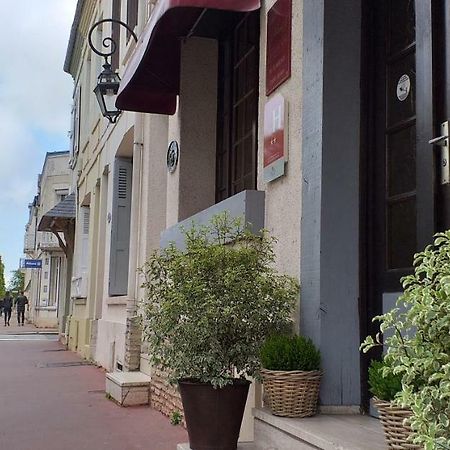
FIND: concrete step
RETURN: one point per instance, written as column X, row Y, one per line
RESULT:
column 128, row 388
column 324, row 432
column 245, row 446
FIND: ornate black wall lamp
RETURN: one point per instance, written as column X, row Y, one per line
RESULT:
column 108, row 81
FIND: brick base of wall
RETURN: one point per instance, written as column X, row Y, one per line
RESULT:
column 164, row 397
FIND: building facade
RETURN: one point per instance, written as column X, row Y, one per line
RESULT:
column 310, row 118
column 45, row 286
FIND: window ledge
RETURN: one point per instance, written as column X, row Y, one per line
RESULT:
column 80, row 300
column 120, row 300
column 247, row 204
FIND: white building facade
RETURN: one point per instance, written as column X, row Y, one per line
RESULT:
column 45, row 286
column 210, row 89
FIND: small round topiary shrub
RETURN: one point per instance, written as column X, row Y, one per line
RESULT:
column 384, row 386
column 283, row 352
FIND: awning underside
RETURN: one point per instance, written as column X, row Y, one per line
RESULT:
column 58, row 218
column 152, row 79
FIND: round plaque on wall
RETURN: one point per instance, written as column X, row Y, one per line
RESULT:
column 173, row 153
column 403, row 87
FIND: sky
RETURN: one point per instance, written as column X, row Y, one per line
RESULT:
column 35, row 103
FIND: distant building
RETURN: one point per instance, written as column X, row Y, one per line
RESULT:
column 46, row 286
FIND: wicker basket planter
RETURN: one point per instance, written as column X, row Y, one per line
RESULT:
column 292, row 393
column 396, row 432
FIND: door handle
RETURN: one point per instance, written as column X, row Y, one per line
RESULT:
column 440, row 140
column 444, row 153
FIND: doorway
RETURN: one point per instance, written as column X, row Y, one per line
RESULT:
column 404, row 98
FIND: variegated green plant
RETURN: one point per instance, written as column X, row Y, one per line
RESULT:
column 417, row 343
column 210, row 307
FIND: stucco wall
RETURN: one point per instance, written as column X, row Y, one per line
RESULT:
column 110, row 342
column 198, row 111
column 111, row 312
column 283, row 196
column 191, row 188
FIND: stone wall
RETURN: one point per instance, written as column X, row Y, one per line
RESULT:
column 133, row 340
column 164, row 397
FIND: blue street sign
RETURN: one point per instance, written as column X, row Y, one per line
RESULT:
column 32, row 264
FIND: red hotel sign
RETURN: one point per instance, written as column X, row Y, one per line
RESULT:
column 274, row 137
column 278, row 64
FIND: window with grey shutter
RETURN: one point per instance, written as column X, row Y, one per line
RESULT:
column 115, row 58
column 75, row 125
column 132, row 15
column 120, row 227
column 84, row 256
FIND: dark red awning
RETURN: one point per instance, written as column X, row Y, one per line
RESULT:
column 152, row 78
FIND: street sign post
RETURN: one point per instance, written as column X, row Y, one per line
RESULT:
column 32, row 263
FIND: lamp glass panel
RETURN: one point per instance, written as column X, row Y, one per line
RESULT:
column 100, row 100
column 110, row 101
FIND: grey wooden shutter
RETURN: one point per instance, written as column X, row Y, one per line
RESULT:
column 75, row 123
column 115, row 59
column 132, row 15
column 84, row 260
column 120, row 227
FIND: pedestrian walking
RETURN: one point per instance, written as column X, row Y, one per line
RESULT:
column 21, row 302
column 1, row 307
column 7, row 307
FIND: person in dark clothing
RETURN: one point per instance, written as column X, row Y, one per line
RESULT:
column 21, row 302
column 1, row 307
column 7, row 307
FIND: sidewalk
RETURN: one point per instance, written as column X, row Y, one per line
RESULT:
column 14, row 328
column 48, row 402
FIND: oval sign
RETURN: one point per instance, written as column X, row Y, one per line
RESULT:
column 172, row 156
column 403, row 87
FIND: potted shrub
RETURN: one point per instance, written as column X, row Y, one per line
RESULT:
column 417, row 344
column 208, row 310
column 385, row 386
column 291, row 375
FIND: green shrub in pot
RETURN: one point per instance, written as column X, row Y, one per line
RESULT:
column 384, row 385
column 291, row 375
column 417, row 342
column 207, row 311
column 284, row 352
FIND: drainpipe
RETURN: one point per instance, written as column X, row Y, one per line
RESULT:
column 133, row 330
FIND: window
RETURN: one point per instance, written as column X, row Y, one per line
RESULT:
column 115, row 58
column 44, row 289
column 45, row 275
column 132, row 15
column 238, row 109
column 85, row 215
column 75, row 122
column 61, row 194
column 55, row 270
column 120, row 227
